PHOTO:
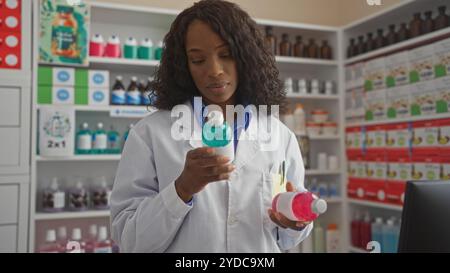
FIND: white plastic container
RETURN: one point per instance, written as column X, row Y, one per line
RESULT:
column 299, row 119
column 319, row 115
column 224, row 145
column 332, row 239
column 313, row 129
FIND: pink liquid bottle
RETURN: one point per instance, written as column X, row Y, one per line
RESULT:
column 299, row 206
column 76, row 243
column 103, row 244
column 92, row 239
column 62, row 238
column 50, row 245
column 113, row 48
column 356, row 230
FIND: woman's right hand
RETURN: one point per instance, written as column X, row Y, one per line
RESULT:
column 201, row 167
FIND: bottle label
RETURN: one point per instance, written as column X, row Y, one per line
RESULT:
column 100, row 142
column 118, row 97
column 133, row 98
column 113, row 141
column 106, row 249
column 145, row 98
column 59, row 200
column 84, row 142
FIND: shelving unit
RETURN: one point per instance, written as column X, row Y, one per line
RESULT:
column 400, row 13
column 71, row 215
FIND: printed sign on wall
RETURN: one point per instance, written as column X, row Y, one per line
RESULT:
column 10, row 34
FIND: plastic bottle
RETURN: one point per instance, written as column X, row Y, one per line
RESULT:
column 319, row 239
column 300, row 121
column 390, row 237
column 112, row 48
column 377, row 232
column 78, row 197
column 217, row 133
column 97, row 46
column 50, row 245
column 299, row 206
column 100, row 140
column 365, row 231
column 130, row 49
column 91, row 239
column 103, row 244
column 77, row 238
column 145, row 51
column 159, row 51
column 101, row 193
column 333, row 190
column 314, row 187
column 53, row 199
column 288, row 119
column 323, row 190
column 307, row 245
column 118, row 92
column 113, row 141
column 84, row 140
column 332, row 239
column 62, row 238
column 133, row 95
column 147, row 95
column 356, row 230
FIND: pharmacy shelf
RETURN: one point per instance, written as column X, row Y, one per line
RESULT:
column 114, row 110
column 398, row 120
column 324, row 172
column 72, row 215
column 399, row 46
column 306, row 61
column 324, row 138
column 334, row 200
column 123, row 61
column 375, row 204
column 79, row 158
column 311, row 97
column 357, row 250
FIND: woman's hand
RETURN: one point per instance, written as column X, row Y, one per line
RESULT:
column 284, row 222
column 201, row 167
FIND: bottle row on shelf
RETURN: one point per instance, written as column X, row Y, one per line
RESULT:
column 323, row 189
column 416, row 27
column 324, row 238
column 299, row 49
column 384, row 233
column 76, row 196
column 319, row 125
column 309, row 87
column 97, row 241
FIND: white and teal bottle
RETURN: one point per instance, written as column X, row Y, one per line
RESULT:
column 100, row 140
column 377, row 232
column 216, row 133
column 84, row 140
column 113, row 141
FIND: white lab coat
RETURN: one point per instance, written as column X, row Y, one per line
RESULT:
column 227, row 216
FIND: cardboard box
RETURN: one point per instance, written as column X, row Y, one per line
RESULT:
column 44, row 94
column 398, row 102
column 81, row 77
column 376, row 168
column 426, row 167
column 398, row 137
column 63, row 76
column 375, row 191
column 397, row 69
column 356, row 188
column 421, row 64
column 444, row 136
column 423, row 98
column 445, row 167
column 56, row 131
column 395, row 193
column 442, row 86
column 399, row 168
column 63, row 95
column 45, row 76
column 375, row 138
column 98, row 96
column 99, row 79
column 442, row 58
column 374, row 74
column 375, row 105
column 425, row 137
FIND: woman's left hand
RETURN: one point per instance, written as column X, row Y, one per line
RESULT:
column 283, row 221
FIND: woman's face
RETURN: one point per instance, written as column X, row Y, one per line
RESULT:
column 211, row 65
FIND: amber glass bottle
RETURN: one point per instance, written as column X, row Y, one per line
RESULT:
column 285, row 45
column 271, row 40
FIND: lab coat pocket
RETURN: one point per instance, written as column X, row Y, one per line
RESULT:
column 267, row 192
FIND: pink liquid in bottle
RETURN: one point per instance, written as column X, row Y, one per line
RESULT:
column 50, row 245
column 299, row 206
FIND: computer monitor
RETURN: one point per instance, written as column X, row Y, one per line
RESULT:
column 425, row 223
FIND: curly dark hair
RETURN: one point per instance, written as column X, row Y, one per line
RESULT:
column 258, row 75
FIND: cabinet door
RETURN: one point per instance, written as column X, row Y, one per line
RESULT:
column 9, row 203
column 8, row 239
column 14, row 129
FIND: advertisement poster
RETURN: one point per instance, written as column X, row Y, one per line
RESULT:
column 64, row 32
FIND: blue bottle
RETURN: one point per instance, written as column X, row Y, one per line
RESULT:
column 377, row 232
column 113, row 141
column 390, row 237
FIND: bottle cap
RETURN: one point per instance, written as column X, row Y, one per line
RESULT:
column 54, row 186
column 146, row 42
column 62, row 232
column 131, row 41
column 379, row 220
column 50, row 236
column 119, row 78
column 319, row 206
column 98, row 38
column 103, row 234
column 100, row 125
column 85, row 125
column 93, row 230
column 114, row 39
column 76, row 234
column 134, row 79
column 390, row 222
column 332, row 226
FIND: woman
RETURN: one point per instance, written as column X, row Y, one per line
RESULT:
column 172, row 194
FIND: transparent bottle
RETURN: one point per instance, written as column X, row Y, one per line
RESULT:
column 416, row 25
column 299, row 206
column 76, row 241
column 370, row 43
column 103, row 244
column 78, row 196
column 377, row 232
column 50, row 245
column 442, row 20
column 391, row 37
column 299, row 47
column 325, row 51
column 53, row 198
column 380, row 40
column 101, row 194
column 403, row 33
column 84, row 140
column 62, row 238
column 312, row 49
column 428, row 24
column 91, row 240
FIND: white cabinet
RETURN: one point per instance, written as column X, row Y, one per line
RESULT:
column 9, row 196
column 8, row 239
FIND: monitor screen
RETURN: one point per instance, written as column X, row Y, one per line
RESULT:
column 425, row 223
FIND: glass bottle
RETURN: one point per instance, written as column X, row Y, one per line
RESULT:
column 428, row 25
column 370, row 43
column 403, row 33
column 442, row 20
column 361, row 45
column 350, row 48
column 391, row 37
column 380, row 40
column 299, row 47
column 271, row 40
column 285, row 45
column 133, row 96
column 355, row 50
column 312, row 49
column 326, row 51
column 416, row 25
